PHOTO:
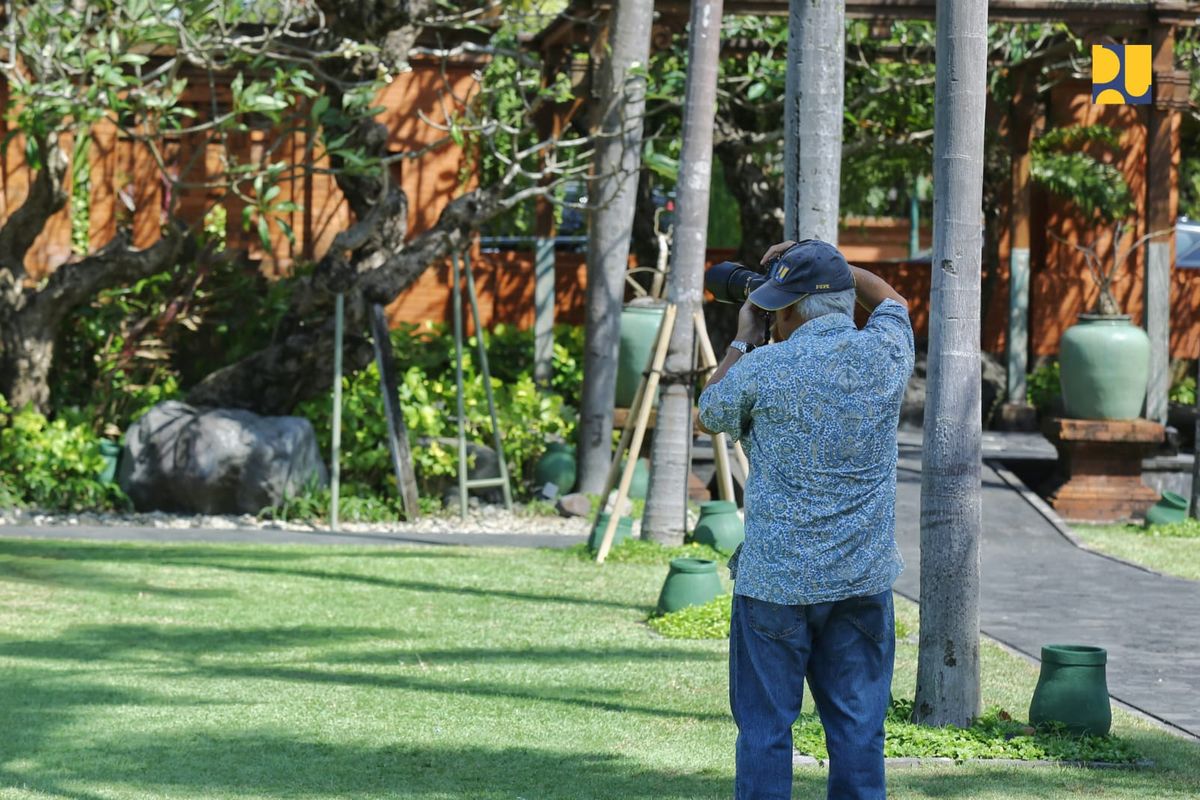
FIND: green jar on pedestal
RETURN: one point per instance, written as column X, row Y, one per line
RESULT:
column 1105, row 366
column 691, row 582
column 719, row 526
column 1072, row 690
column 639, row 331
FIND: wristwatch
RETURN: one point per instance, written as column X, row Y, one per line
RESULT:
column 741, row 347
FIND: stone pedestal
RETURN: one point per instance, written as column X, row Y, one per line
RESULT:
column 1101, row 467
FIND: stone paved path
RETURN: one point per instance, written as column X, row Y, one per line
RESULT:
column 1039, row 588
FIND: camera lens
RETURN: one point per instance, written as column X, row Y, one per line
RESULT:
column 730, row 282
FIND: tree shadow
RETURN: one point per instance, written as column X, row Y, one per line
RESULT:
column 530, row 655
column 271, row 763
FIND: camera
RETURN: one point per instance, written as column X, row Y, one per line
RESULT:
column 730, row 282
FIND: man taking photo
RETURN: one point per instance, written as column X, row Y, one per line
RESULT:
column 817, row 412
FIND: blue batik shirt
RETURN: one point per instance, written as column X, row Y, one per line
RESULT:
column 817, row 416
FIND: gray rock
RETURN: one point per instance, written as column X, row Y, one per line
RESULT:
column 574, row 505
column 217, row 461
column 993, row 378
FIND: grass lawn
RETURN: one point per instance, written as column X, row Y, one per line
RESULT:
column 135, row 671
column 1170, row 556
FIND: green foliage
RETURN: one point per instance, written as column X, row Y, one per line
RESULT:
column 51, row 465
column 639, row 551
column 312, row 506
column 1043, row 385
column 1184, row 392
column 1188, row 529
column 708, row 621
column 1076, row 162
column 994, row 735
column 529, row 417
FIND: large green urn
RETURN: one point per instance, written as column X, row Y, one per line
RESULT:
column 691, row 582
column 1072, row 689
column 719, row 526
column 639, row 330
column 1105, row 365
column 1171, row 508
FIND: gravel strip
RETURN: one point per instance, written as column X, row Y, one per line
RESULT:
column 485, row 519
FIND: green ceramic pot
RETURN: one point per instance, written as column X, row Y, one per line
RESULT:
column 624, row 531
column 639, row 330
column 1171, row 508
column 111, row 453
column 691, row 582
column 556, row 466
column 719, row 526
column 641, row 479
column 1105, row 365
column 1072, row 689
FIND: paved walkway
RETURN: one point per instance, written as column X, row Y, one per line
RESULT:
column 1038, row 588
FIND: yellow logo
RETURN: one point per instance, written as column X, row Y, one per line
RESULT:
column 1121, row 73
column 783, row 271
column 822, row 285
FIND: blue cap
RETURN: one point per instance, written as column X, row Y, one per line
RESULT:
column 807, row 267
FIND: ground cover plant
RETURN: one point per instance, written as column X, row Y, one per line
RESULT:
column 1169, row 549
column 221, row 671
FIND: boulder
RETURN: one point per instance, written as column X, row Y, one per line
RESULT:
column 482, row 463
column 574, row 505
column 217, row 461
column 994, row 384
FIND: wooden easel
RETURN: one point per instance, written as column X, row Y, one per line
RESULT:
column 639, row 416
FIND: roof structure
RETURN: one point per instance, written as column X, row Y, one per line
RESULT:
column 1089, row 13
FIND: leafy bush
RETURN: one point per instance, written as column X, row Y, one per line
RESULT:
column 1184, row 392
column 1043, row 386
column 1188, row 529
column 51, row 465
column 994, row 735
column 528, row 415
column 709, row 621
column 641, row 551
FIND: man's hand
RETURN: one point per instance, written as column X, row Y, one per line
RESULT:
column 752, row 324
column 776, row 250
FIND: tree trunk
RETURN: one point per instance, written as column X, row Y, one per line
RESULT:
column 665, row 519
column 26, row 355
column 813, row 118
column 611, row 200
column 948, row 663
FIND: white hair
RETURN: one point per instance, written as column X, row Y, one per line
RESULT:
column 818, row 305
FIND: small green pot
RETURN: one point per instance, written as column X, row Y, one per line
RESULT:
column 1171, row 508
column 640, row 484
column 1072, row 689
column 110, row 451
column 691, row 582
column 719, row 526
column 556, row 466
column 624, row 531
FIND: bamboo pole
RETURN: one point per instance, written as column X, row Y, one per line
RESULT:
column 647, row 388
column 708, row 360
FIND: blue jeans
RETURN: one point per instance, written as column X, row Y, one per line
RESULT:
column 846, row 649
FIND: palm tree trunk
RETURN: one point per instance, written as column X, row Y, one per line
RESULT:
column 666, row 503
column 612, row 199
column 813, row 118
column 948, row 662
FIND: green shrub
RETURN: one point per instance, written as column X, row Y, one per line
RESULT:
column 529, row 416
column 52, row 466
column 1184, row 392
column 1043, row 386
column 994, row 735
column 1188, row 529
column 709, row 621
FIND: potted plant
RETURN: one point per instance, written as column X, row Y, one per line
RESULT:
column 1104, row 357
